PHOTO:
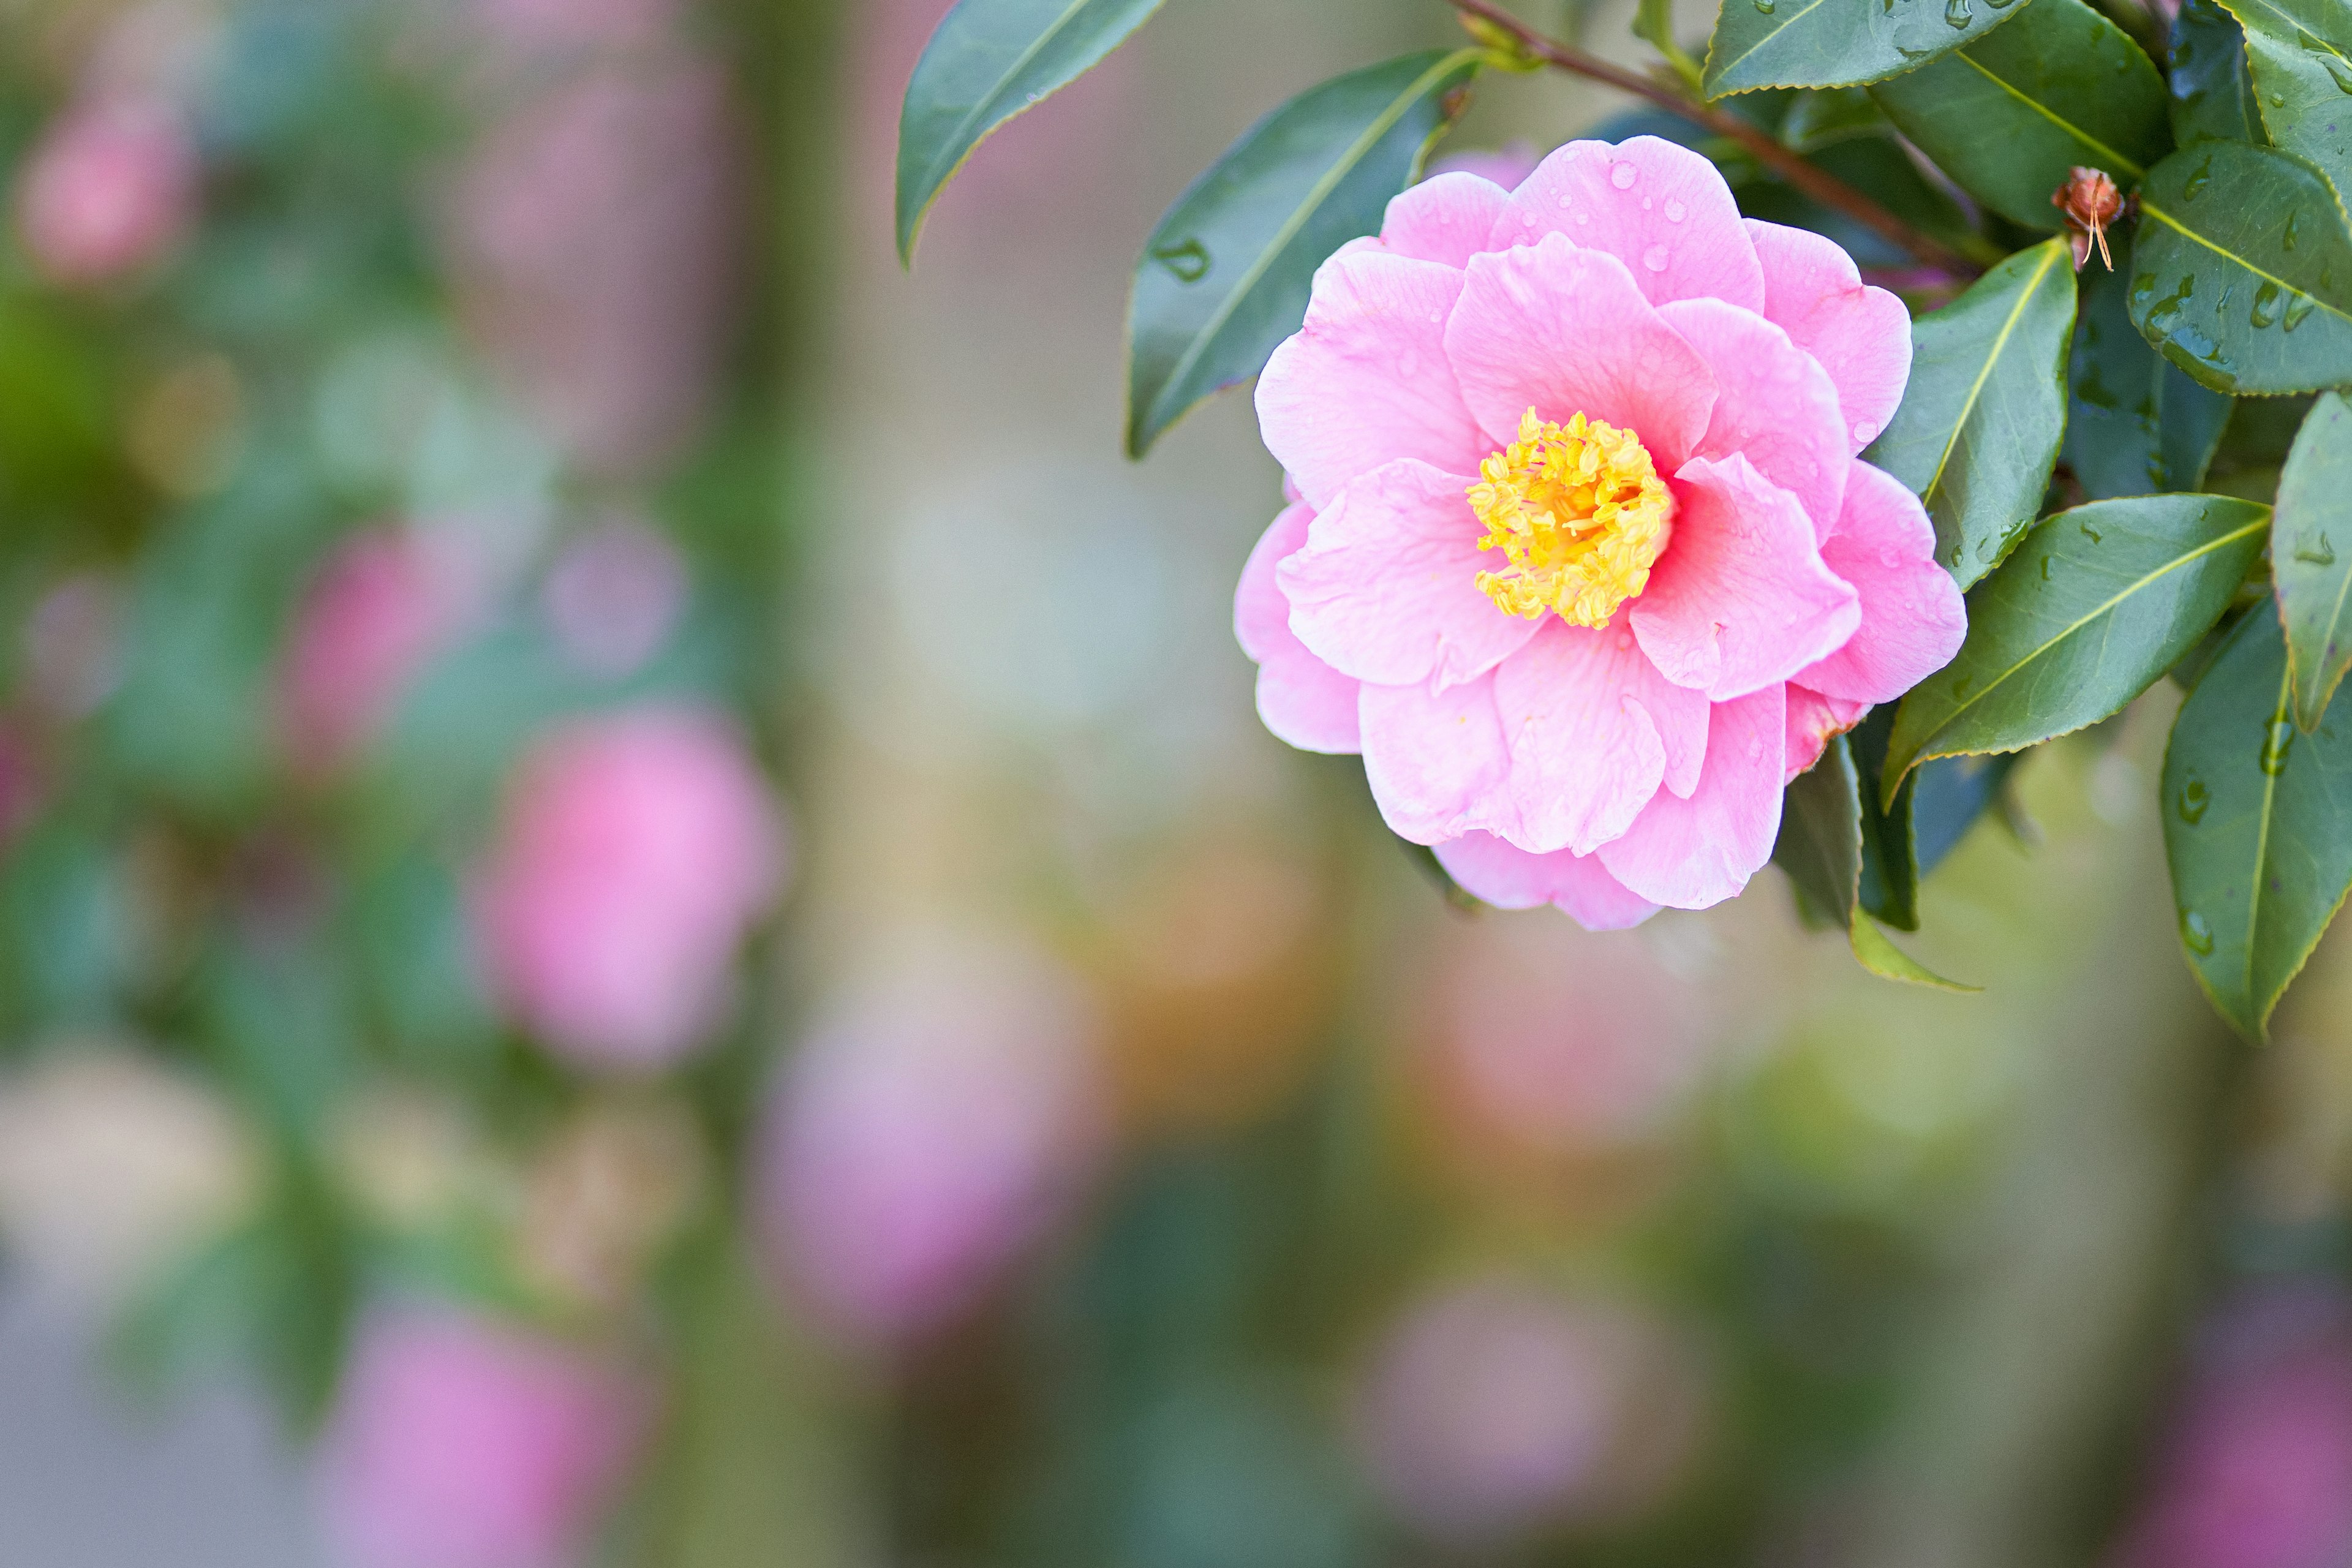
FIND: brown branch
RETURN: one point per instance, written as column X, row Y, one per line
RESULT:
column 1823, row 186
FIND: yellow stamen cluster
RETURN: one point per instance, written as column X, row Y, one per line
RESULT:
column 1582, row 514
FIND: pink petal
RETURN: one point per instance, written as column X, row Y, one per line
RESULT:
column 1435, row 760
column 1690, row 854
column 1366, row 380
column 1773, row 404
column 1662, row 210
column 1593, row 730
column 1741, row 599
column 1387, row 588
column 1302, row 699
column 1565, row 331
column 1813, row 719
column 1912, row 617
column 1492, row 870
column 1446, row 219
column 1861, row 335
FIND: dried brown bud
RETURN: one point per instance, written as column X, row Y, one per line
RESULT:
column 2089, row 202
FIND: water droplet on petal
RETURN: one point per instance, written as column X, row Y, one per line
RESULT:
column 1622, row 176
column 1676, row 212
column 1564, row 204
column 1863, row 430
column 1583, row 219
column 1646, row 204
column 1654, row 258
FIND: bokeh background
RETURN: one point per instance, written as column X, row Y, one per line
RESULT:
column 643, row 920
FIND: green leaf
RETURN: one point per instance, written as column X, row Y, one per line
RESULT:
column 1838, row 43
column 2300, row 55
column 1882, row 958
column 1819, row 845
column 2007, row 115
column 1947, row 796
column 988, row 60
column 1890, row 859
column 2135, row 423
column 2313, row 579
column 1979, row 428
column 1224, row 278
column 2241, row 270
column 1654, row 23
column 2257, row 826
column 2212, row 94
column 2095, row 604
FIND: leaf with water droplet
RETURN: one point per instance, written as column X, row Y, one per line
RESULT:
column 2045, row 655
column 2312, row 585
column 2134, row 423
column 2196, row 260
column 2299, row 53
column 1837, row 44
column 2009, row 114
column 1979, row 429
column 988, row 61
column 2263, row 860
column 1315, row 173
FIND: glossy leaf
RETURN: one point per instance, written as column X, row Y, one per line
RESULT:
column 2212, row 93
column 2135, row 423
column 1821, row 848
column 1224, row 276
column 1948, row 795
column 1879, row 954
column 1980, row 427
column 2311, row 555
column 2257, row 826
column 2093, row 607
column 988, row 60
column 1839, row 43
column 2300, row 55
column 1819, row 845
column 1890, row 858
column 2007, row 115
column 2241, row 270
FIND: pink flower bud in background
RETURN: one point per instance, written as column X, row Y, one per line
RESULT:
column 109, row 188
column 593, row 238
column 1506, row 166
column 2258, row 1471
column 638, row 849
column 377, row 611
column 457, row 1443
column 1497, row 1405
column 613, row 597
column 935, row 1126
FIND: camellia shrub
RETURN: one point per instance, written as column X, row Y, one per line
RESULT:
column 1898, row 387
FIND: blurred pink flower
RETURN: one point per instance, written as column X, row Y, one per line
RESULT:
column 457, row 1443
column 638, row 849
column 1506, row 165
column 929, row 1131
column 2258, row 1471
column 378, row 609
column 592, row 236
column 612, row 596
column 1497, row 1406
column 109, row 188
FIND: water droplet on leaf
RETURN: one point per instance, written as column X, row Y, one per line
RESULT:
column 1956, row 13
column 2278, row 739
column 2194, row 799
column 2195, row 934
column 2316, row 551
column 1188, row 262
column 2266, row 305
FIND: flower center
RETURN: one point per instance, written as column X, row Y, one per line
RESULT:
column 1582, row 514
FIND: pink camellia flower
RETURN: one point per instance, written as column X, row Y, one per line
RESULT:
column 1583, row 563
column 1495, row 1404
column 377, row 612
column 109, row 188
column 2258, row 1470
column 638, row 849
column 925, row 1133
column 457, row 1443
